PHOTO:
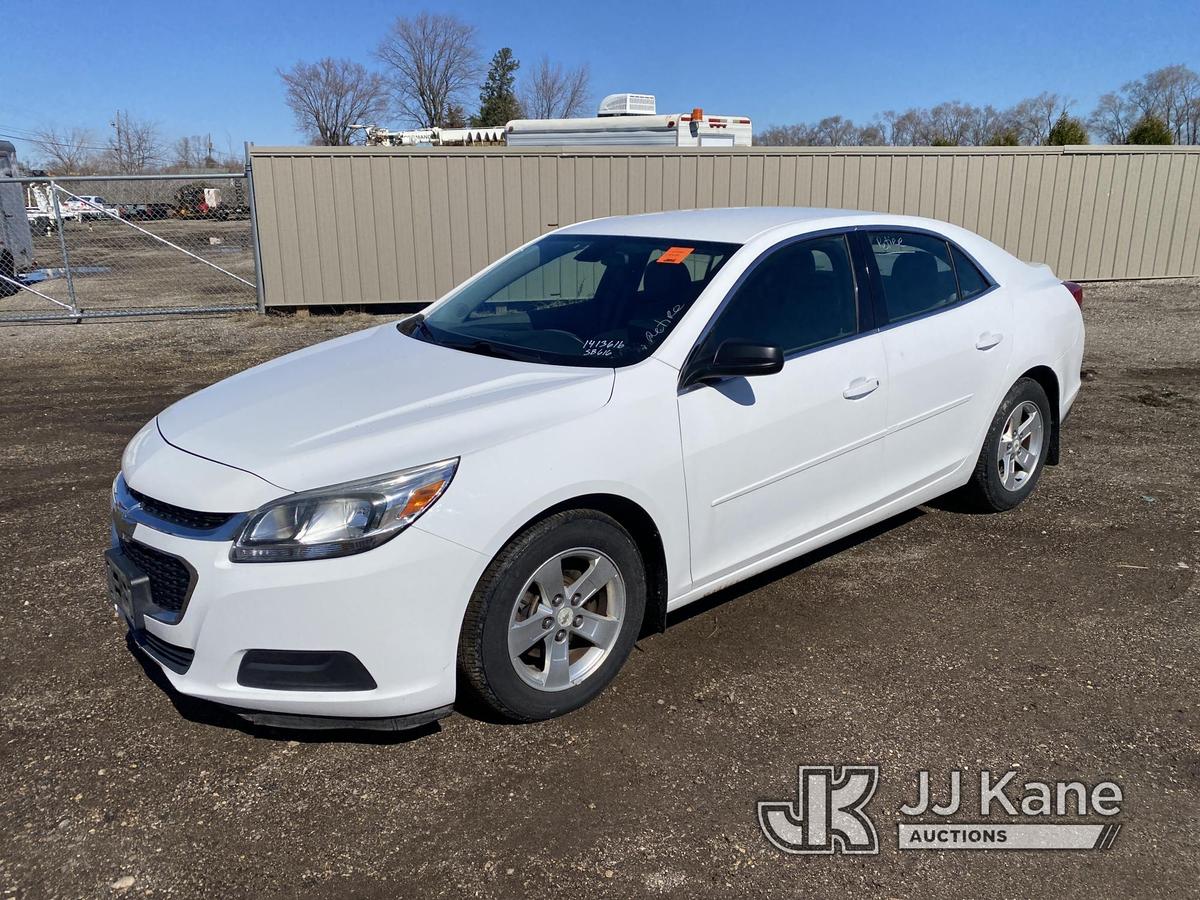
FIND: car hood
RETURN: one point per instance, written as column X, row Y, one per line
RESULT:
column 373, row 402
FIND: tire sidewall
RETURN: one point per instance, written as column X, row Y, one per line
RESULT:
column 997, row 494
column 597, row 531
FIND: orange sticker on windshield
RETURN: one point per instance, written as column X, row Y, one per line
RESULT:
column 675, row 254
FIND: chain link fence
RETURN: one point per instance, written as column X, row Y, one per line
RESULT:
column 133, row 246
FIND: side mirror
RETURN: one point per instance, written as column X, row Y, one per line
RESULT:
column 734, row 359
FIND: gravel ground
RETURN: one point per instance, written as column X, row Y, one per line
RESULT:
column 1060, row 638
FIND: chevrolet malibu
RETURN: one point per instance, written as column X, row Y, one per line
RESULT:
column 498, row 496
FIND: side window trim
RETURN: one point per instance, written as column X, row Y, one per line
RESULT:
column 958, row 291
column 871, row 297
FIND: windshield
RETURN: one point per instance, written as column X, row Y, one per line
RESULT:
column 579, row 300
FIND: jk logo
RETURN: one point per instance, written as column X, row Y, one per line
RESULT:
column 827, row 815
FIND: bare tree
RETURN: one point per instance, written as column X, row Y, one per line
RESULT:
column 903, row 129
column 1171, row 94
column 135, row 145
column 70, row 151
column 1034, row 117
column 798, row 135
column 432, row 63
column 985, row 125
column 551, row 91
column 330, row 95
column 872, row 135
column 836, row 131
column 948, row 124
column 1112, row 118
column 185, row 153
column 195, row 152
column 832, row 131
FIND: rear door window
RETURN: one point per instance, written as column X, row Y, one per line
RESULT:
column 916, row 273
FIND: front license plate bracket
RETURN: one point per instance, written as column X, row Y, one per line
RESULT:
column 128, row 587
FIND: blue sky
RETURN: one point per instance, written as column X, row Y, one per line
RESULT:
column 210, row 67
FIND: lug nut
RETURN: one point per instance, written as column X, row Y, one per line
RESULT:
column 561, row 636
column 557, row 601
column 575, row 600
column 578, row 621
column 547, row 622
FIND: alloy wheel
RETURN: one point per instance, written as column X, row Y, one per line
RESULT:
column 567, row 619
column 1019, row 451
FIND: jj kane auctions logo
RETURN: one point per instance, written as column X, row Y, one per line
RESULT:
column 829, row 814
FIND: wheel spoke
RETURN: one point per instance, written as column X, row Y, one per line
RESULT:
column 549, row 579
column 1026, row 459
column 599, row 574
column 1026, row 427
column 557, row 672
column 524, row 634
column 599, row 630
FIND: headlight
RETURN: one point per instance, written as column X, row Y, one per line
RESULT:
column 341, row 519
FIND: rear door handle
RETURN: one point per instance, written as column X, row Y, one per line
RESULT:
column 860, row 387
column 988, row 340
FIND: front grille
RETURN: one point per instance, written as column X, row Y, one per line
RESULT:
column 170, row 579
column 177, row 659
column 177, row 515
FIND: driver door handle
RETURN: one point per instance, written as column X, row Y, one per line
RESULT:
column 860, row 387
column 988, row 340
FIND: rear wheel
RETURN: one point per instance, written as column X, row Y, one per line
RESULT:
column 554, row 616
column 1014, row 452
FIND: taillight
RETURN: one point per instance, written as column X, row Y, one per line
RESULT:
column 1076, row 291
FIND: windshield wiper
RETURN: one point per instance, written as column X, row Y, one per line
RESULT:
column 416, row 326
column 500, row 351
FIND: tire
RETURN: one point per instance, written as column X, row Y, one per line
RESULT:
column 9, row 270
column 1004, row 477
column 562, row 668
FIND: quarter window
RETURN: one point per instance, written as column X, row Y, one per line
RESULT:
column 916, row 273
column 800, row 296
column 971, row 282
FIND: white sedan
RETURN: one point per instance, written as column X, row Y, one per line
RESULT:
column 610, row 422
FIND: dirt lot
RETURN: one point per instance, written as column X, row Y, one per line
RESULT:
column 1060, row 639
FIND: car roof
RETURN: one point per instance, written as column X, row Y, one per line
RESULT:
column 731, row 225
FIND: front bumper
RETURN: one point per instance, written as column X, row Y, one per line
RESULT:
column 397, row 609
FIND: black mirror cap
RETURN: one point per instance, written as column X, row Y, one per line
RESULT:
column 746, row 358
column 737, row 359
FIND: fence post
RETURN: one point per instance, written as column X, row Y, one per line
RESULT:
column 62, row 243
column 258, row 275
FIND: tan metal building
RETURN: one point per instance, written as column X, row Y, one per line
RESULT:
column 357, row 225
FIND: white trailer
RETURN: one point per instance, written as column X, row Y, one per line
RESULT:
column 632, row 120
column 16, row 242
column 622, row 120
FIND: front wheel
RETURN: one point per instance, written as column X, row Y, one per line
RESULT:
column 1014, row 452
column 553, row 617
